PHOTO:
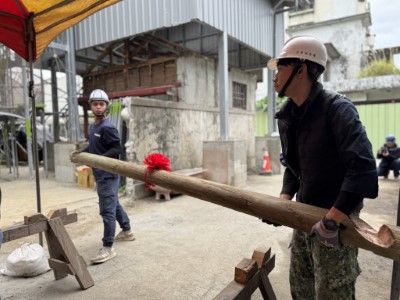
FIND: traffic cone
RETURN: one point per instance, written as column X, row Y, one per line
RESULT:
column 266, row 167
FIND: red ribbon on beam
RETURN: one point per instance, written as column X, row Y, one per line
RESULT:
column 155, row 161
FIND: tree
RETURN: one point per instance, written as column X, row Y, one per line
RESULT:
column 379, row 67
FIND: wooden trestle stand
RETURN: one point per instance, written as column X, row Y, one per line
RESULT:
column 251, row 274
column 64, row 257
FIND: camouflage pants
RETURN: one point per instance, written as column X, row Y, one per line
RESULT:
column 320, row 272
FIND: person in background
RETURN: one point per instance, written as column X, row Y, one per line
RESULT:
column 104, row 140
column 389, row 154
column 329, row 164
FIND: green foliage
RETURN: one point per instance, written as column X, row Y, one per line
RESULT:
column 379, row 67
column 262, row 105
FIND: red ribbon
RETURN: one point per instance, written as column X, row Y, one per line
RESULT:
column 155, row 161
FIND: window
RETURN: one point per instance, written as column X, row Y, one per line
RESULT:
column 239, row 93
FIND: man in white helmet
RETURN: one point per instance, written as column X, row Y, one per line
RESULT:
column 104, row 140
column 330, row 164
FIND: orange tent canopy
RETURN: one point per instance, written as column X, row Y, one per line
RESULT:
column 32, row 24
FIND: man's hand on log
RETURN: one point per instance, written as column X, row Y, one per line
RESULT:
column 329, row 238
column 73, row 155
column 271, row 223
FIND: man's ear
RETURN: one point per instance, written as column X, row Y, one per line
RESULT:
column 302, row 69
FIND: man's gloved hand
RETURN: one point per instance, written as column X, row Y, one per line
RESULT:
column 329, row 238
column 73, row 155
column 270, row 223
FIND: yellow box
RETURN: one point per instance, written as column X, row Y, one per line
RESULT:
column 82, row 179
column 91, row 181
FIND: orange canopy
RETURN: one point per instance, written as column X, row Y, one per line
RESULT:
column 32, row 24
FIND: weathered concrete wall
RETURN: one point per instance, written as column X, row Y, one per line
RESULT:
column 178, row 129
column 64, row 169
column 342, row 23
column 225, row 162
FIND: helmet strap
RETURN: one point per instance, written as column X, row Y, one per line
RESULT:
column 289, row 81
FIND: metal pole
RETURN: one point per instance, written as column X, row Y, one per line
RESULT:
column 73, row 115
column 223, row 85
column 34, row 131
column 28, row 127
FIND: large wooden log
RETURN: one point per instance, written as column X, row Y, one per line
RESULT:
column 385, row 242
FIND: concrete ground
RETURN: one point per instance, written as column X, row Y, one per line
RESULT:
column 185, row 248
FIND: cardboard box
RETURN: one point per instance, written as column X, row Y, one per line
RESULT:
column 82, row 173
column 82, row 179
column 91, row 181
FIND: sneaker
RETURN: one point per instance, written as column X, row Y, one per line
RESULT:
column 125, row 236
column 105, row 253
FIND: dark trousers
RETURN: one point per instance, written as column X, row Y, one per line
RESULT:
column 110, row 209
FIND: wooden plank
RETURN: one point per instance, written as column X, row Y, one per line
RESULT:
column 61, row 245
column 266, row 288
column 55, row 213
column 245, row 270
column 261, row 255
column 62, row 266
column 265, row 285
column 20, row 230
column 34, row 218
column 239, row 291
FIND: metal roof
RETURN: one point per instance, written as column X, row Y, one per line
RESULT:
column 191, row 24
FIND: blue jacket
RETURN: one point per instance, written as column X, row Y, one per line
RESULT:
column 327, row 151
column 104, row 140
column 394, row 153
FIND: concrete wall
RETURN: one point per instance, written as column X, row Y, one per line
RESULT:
column 178, row 129
column 344, row 23
column 64, row 169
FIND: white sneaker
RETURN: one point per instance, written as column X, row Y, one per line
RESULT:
column 105, row 253
column 125, row 236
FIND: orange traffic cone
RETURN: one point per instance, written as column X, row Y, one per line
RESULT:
column 266, row 167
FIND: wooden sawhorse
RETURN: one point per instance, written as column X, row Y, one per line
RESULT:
column 251, row 274
column 64, row 257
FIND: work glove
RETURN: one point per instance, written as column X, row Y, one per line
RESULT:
column 329, row 238
column 271, row 223
column 73, row 155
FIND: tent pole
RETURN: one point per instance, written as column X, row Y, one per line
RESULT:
column 34, row 130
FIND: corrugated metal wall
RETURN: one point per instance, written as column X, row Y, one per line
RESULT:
column 379, row 120
column 249, row 21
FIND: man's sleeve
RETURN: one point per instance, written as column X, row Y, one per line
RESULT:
column 290, row 183
column 355, row 150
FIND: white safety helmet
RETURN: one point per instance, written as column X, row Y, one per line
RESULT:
column 99, row 95
column 302, row 47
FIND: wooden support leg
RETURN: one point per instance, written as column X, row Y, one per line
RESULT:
column 64, row 257
column 251, row 274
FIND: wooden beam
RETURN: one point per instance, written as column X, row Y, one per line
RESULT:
column 62, row 248
column 245, row 270
column 293, row 214
column 20, row 230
